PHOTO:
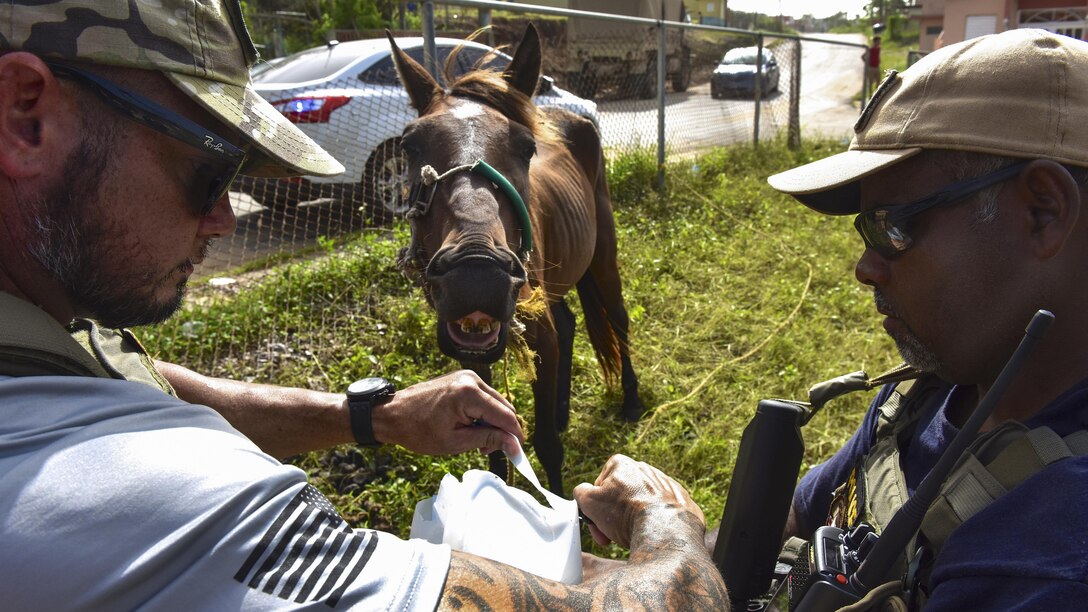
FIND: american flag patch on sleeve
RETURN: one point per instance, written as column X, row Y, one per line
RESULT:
column 309, row 553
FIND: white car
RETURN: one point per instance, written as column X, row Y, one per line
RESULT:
column 347, row 97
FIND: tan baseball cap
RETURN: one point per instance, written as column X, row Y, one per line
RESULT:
column 201, row 45
column 1021, row 93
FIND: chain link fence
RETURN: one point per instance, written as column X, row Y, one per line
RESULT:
column 653, row 87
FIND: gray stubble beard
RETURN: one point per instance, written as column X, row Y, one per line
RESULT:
column 68, row 243
column 910, row 347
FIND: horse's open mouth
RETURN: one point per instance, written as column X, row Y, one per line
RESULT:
column 474, row 333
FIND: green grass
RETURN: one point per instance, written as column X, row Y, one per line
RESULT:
column 736, row 293
column 893, row 54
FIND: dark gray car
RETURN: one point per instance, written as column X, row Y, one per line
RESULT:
column 736, row 73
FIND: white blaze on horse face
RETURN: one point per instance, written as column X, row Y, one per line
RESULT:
column 468, row 113
column 466, row 109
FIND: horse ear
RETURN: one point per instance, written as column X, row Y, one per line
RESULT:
column 523, row 73
column 420, row 85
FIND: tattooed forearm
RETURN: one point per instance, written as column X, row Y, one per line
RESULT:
column 670, row 582
column 670, row 569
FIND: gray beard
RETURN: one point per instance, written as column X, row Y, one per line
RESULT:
column 910, row 348
column 69, row 244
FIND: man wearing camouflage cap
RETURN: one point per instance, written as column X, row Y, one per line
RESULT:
column 968, row 176
column 122, row 124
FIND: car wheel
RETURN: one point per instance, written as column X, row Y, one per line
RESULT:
column 682, row 79
column 647, row 87
column 585, row 85
column 385, row 180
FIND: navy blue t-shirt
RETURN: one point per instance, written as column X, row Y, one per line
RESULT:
column 1026, row 551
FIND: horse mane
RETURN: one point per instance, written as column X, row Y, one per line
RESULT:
column 487, row 86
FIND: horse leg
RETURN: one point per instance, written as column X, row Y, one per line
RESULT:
column 564, row 329
column 632, row 404
column 604, row 281
column 549, row 448
column 496, row 461
column 617, row 314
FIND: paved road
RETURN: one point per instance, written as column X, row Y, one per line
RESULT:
column 831, row 77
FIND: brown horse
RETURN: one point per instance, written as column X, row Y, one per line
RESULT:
column 510, row 198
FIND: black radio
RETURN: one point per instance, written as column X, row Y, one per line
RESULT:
column 822, row 580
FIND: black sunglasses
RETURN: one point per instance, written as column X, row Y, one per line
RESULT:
column 885, row 229
column 229, row 158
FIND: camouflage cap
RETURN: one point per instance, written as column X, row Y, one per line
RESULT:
column 201, row 45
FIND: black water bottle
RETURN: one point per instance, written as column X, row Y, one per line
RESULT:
column 759, row 499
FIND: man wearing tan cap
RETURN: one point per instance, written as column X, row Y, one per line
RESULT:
column 122, row 124
column 968, row 176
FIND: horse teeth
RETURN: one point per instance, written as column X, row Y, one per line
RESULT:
column 485, row 327
column 466, row 326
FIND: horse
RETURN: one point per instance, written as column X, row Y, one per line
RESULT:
column 508, row 199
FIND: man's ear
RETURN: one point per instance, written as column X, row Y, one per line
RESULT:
column 33, row 108
column 1051, row 204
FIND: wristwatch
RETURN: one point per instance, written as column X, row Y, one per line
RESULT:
column 363, row 396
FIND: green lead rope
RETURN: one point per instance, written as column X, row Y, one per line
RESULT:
column 484, row 169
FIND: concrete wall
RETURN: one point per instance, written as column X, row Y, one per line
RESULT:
column 952, row 17
column 958, row 12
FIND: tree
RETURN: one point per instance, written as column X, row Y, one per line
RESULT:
column 299, row 24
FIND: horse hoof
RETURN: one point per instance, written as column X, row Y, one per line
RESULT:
column 632, row 411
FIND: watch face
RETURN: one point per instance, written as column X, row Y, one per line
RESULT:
column 368, row 386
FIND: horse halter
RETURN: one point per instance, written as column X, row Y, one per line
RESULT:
column 422, row 195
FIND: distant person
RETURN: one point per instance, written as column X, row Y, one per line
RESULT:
column 122, row 125
column 871, row 57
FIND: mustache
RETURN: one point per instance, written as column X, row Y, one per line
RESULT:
column 883, row 304
column 202, row 254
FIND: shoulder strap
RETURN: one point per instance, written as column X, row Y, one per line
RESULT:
column 899, row 414
column 120, row 354
column 876, row 487
column 881, row 484
column 33, row 344
column 996, row 463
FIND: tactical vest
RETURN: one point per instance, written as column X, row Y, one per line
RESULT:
column 33, row 344
column 995, row 463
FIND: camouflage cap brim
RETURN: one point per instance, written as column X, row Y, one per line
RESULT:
column 285, row 149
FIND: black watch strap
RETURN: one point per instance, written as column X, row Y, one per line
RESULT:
column 362, row 422
column 361, row 408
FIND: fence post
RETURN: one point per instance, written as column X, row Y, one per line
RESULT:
column 793, row 132
column 485, row 22
column 758, row 89
column 661, row 104
column 430, row 55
